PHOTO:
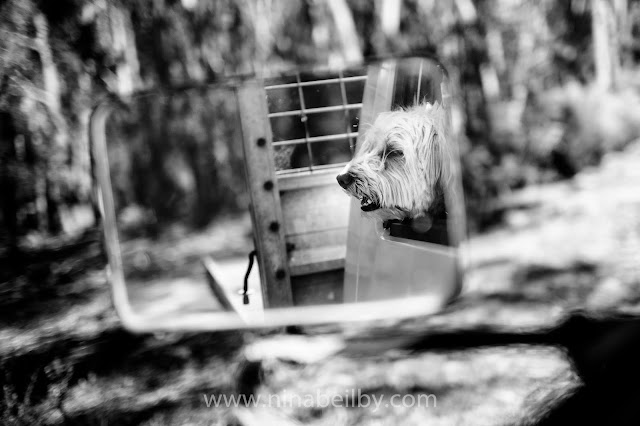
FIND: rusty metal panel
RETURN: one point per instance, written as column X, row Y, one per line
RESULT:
column 268, row 223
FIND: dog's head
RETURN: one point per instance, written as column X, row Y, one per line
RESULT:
column 402, row 165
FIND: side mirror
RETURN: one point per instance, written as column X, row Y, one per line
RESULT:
column 197, row 185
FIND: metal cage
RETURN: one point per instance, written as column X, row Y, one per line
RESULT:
column 344, row 128
column 301, row 216
column 296, row 139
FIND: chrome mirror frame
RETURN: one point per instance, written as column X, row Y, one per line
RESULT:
column 405, row 307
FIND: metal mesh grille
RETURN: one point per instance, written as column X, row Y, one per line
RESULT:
column 314, row 119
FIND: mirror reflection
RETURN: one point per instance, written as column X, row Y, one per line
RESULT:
column 311, row 188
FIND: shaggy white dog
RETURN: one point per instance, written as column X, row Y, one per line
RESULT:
column 403, row 165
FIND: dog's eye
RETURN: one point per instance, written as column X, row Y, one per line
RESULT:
column 390, row 153
column 395, row 153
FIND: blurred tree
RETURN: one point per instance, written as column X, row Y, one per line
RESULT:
column 58, row 58
column 607, row 17
column 8, row 184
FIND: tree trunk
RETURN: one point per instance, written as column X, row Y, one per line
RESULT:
column 625, row 31
column 389, row 12
column 8, row 187
column 474, row 55
column 57, row 146
column 466, row 11
column 261, row 16
column 50, row 76
column 124, row 49
column 606, row 49
column 346, row 30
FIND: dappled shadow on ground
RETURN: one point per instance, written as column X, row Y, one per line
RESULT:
column 39, row 281
column 496, row 354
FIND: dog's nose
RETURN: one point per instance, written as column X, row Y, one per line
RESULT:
column 345, row 179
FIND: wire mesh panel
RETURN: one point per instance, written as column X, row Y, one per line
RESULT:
column 314, row 119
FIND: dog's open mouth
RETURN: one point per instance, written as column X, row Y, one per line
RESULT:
column 368, row 205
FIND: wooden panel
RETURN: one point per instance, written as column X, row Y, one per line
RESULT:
column 308, row 179
column 316, row 220
column 320, row 288
column 218, row 291
column 229, row 301
column 317, row 259
column 331, row 237
column 265, row 198
column 315, row 209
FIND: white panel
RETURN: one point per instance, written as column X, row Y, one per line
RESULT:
column 380, row 267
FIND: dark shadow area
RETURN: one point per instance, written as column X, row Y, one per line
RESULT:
column 603, row 350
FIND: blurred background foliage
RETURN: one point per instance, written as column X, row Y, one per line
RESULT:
column 540, row 100
column 545, row 88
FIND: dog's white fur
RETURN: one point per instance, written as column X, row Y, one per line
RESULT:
column 404, row 162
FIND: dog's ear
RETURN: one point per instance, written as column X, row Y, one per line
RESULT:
column 439, row 154
column 438, row 117
column 446, row 151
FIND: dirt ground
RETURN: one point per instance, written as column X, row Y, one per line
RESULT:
column 574, row 244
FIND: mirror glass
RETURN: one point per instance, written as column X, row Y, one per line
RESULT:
column 176, row 167
column 322, row 188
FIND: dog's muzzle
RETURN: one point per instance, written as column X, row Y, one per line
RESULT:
column 366, row 204
column 345, row 179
